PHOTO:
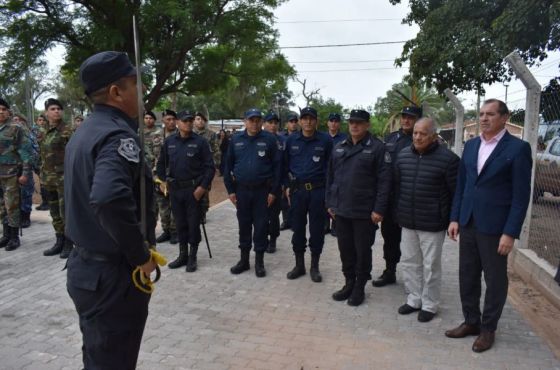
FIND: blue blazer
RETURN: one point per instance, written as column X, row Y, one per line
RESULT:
column 498, row 198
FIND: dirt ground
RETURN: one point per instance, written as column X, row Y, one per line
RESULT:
column 218, row 192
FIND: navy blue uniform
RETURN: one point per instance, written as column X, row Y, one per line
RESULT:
column 358, row 184
column 102, row 193
column 189, row 165
column 339, row 137
column 305, row 172
column 276, row 207
column 252, row 172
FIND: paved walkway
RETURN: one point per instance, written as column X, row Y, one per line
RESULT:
column 214, row 320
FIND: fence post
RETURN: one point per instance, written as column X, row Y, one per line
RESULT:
column 530, row 127
column 459, row 121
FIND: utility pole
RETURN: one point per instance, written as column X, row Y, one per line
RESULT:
column 28, row 105
column 506, row 85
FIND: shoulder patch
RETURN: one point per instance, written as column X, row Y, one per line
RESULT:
column 129, row 150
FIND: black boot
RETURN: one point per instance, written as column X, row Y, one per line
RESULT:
column 165, row 236
column 344, row 293
column 358, row 294
column 67, row 249
column 387, row 277
column 243, row 264
column 314, row 269
column 182, row 259
column 259, row 264
column 57, row 247
column 44, row 206
column 191, row 264
column 25, row 219
column 271, row 246
column 13, row 243
column 173, row 238
column 333, row 228
column 284, row 226
column 299, row 269
column 5, row 237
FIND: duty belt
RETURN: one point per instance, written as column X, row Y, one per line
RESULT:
column 98, row 257
column 309, row 185
column 184, row 184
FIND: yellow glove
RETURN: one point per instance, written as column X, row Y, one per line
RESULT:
column 143, row 282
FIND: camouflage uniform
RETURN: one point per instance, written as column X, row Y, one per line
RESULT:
column 27, row 190
column 166, row 217
column 15, row 157
column 214, row 142
column 153, row 140
column 52, row 147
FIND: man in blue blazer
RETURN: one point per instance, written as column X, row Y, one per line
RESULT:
column 490, row 203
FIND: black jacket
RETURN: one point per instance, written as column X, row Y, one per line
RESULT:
column 425, row 185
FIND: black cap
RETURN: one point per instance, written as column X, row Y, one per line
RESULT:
column 52, row 101
column 358, row 115
column 103, row 68
column 293, row 116
column 185, row 115
column 4, row 103
column 271, row 117
column 335, row 117
column 150, row 113
column 169, row 112
column 308, row 111
column 253, row 112
column 412, row 110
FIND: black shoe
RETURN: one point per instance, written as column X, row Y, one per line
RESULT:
column 386, row 278
column 284, row 226
column 57, row 247
column 165, row 236
column 182, row 259
column 405, row 309
column 67, row 249
column 243, row 264
column 333, row 232
column 425, row 316
column 327, row 230
column 299, row 268
column 314, row 269
column 14, row 242
column 344, row 293
column 271, row 246
column 5, row 237
column 173, row 238
column 259, row 264
column 192, row 264
column 25, row 219
column 42, row 207
column 358, row 295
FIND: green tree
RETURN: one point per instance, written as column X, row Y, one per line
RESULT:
column 461, row 44
column 324, row 107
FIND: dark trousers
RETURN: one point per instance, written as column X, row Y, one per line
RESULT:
column 355, row 239
column 285, row 210
column 186, row 211
column 479, row 253
column 304, row 203
column 391, row 232
column 274, row 217
column 27, row 195
column 252, row 216
column 112, row 312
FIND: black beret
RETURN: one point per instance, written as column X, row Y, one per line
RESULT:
column 201, row 115
column 4, row 103
column 412, row 111
column 150, row 113
column 103, row 68
column 308, row 111
column 52, row 101
column 169, row 112
column 358, row 115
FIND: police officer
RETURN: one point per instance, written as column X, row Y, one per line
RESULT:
column 291, row 127
column 333, row 125
column 15, row 170
column 57, row 133
column 306, row 157
column 390, row 229
column 252, row 178
column 187, row 169
column 358, row 187
column 271, row 124
column 102, row 193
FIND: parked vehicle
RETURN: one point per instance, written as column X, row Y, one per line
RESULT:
column 547, row 174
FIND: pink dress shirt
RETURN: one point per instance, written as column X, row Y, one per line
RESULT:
column 487, row 147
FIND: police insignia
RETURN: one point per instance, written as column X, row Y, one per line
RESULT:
column 157, row 140
column 316, row 158
column 387, row 157
column 261, row 153
column 129, row 150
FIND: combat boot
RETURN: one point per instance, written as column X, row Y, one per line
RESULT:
column 387, row 277
column 13, row 243
column 57, row 247
column 165, row 236
column 314, row 269
column 173, row 238
column 344, row 293
column 67, row 249
column 358, row 294
column 243, row 264
column 191, row 264
column 259, row 264
column 299, row 268
column 25, row 219
column 5, row 237
column 183, row 257
column 271, row 246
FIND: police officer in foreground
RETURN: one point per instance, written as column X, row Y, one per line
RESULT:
column 358, row 186
column 390, row 229
column 306, row 157
column 102, row 193
column 252, row 178
column 187, row 169
column 292, row 127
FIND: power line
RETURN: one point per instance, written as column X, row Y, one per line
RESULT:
column 345, row 61
column 342, row 45
column 342, row 20
column 352, row 70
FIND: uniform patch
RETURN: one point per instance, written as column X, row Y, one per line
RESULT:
column 129, row 150
column 316, row 158
column 339, row 150
column 157, row 140
column 261, row 153
column 367, row 151
column 387, row 157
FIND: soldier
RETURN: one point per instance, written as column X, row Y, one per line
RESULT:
column 252, row 177
column 390, row 229
column 291, row 128
column 102, row 189
column 56, row 136
column 333, row 125
column 358, row 188
column 167, row 221
column 15, row 170
column 201, row 129
column 153, row 139
column 271, row 124
column 78, row 121
column 41, row 122
column 306, row 157
column 186, row 169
